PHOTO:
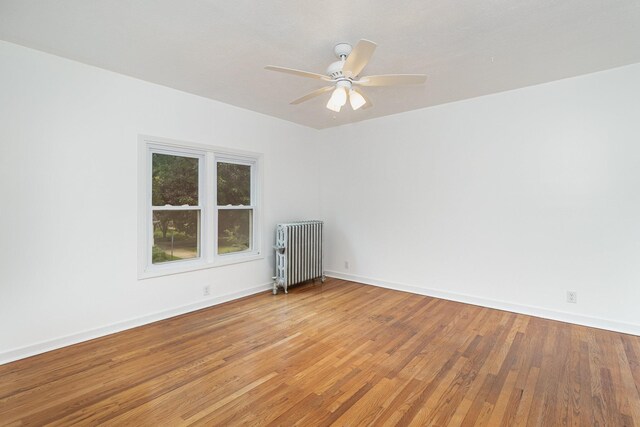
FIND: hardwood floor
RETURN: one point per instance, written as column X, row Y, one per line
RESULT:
column 340, row 353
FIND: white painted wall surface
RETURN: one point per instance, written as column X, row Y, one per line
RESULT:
column 68, row 192
column 507, row 200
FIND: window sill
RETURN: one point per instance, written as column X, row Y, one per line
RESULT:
column 187, row 266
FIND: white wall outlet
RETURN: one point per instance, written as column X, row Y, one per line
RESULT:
column 346, row 265
column 572, row 297
column 206, row 291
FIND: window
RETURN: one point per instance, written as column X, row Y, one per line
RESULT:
column 201, row 209
column 175, row 200
column 235, row 206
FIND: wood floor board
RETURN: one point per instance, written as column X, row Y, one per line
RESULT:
column 338, row 353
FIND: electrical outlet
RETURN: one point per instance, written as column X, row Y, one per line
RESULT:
column 206, row 291
column 346, row 265
column 572, row 297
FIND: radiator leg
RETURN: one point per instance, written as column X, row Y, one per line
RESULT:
column 275, row 286
column 323, row 278
column 285, row 289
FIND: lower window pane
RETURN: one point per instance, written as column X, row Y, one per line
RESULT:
column 234, row 230
column 176, row 235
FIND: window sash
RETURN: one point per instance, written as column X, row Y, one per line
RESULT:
column 178, row 152
column 252, row 240
column 253, row 248
column 236, row 161
column 199, row 246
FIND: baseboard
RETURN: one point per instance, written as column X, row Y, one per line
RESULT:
column 44, row 346
column 578, row 319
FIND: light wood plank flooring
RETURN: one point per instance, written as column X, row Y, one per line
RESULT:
column 340, row 353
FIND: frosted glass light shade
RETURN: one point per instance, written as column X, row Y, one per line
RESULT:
column 333, row 107
column 337, row 100
column 356, row 100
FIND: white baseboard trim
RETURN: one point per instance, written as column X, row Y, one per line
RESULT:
column 578, row 319
column 44, row 346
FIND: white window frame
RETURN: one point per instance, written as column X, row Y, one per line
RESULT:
column 238, row 160
column 208, row 156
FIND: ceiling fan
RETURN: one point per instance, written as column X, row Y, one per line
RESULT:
column 344, row 77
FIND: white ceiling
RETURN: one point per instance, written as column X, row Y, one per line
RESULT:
column 218, row 49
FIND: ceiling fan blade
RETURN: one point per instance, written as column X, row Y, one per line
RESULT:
column 358, row 58
column 369, row 104
column 392, row 80
column 313, row 94
column 297, row 72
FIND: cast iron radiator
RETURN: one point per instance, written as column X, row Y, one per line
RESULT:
column 298, row 253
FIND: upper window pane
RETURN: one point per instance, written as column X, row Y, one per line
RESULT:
column 234, row 184
column 174, row 180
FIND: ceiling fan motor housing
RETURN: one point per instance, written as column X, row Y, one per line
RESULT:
column 334, row 70
column 342, row 50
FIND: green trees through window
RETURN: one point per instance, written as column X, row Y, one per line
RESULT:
column 235, row 210
column 176, row 232
column 177, row 212
column 175, row 180
column 234, row 184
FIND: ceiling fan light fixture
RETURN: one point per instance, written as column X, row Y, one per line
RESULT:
column 356, row 100
column 338, row 99
column 333, row 107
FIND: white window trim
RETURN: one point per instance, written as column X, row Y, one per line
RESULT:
column 209, row 156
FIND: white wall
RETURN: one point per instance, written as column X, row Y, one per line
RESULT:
column 68, row 191
column 506, row 200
